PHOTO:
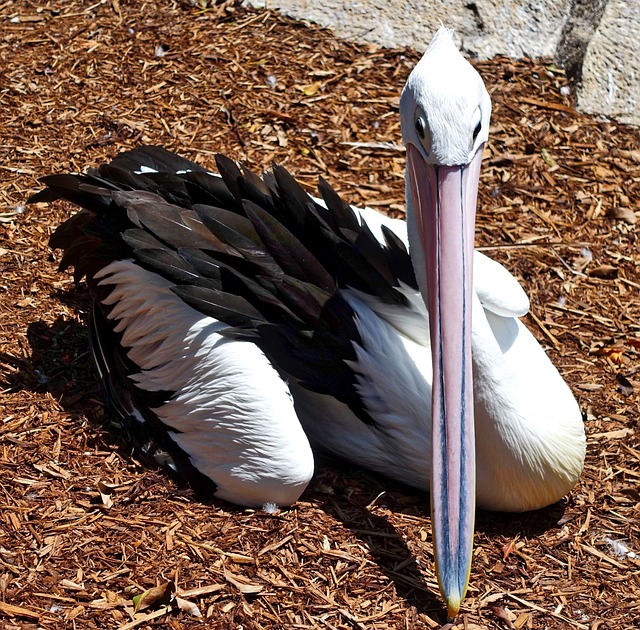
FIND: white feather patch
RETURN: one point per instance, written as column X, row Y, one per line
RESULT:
column 234, row 412
column 498, row 290
column 143, row 170
column 393, row 376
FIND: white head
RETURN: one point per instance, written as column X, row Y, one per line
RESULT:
column 445, row 107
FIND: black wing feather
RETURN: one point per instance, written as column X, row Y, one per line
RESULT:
column 211, row 190
column 293, row 198
column 293, row 257
column 233, row 229
column 156, row 158
column 231, row 309
column 231, row 175
column 340, row 211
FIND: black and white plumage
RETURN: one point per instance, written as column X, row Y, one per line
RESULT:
column 191, row 299
column 239, row 320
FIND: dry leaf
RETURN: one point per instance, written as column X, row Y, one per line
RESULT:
column 72, row 614
column 105, row 494
column 5, row 580
column 239, row 558
column 73, row 586
column 624, row 385
column 508, row 549
column 630, row 155
column 548, row 159
column 504, row 615
column 625, row 214
column 158, row 595
column 613, row 353
column 18, row 611
column 602, row 173
column 108, row 601
column 52, row 470
column 617, row 357
column 311, row 89
column 605, row 272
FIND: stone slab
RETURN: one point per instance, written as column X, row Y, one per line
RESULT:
column 596, row 40
column 611, row 66
column 484, row 28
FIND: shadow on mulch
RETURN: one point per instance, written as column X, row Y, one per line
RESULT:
column 59, row 363
column 387, row 545
column 529, row 524
column 389, row 551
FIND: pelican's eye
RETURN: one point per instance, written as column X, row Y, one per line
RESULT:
column 477, row 130
column 421, row 126
column 477, row 117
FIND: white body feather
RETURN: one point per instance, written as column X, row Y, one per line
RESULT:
column 234, row 414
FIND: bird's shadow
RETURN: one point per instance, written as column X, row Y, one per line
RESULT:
column 347, row 493
column 387, row 545
column 59, row 363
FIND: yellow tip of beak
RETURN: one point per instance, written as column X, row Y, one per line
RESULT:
column 453, row 607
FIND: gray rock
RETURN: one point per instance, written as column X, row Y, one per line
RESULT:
column 595, row 40
column 516, row 28
column 485, row 28
column 578, row 30
column 610, row 82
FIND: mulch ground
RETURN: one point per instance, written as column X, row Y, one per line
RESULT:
column 85, row 527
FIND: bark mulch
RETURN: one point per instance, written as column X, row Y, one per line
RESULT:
column 85, row 527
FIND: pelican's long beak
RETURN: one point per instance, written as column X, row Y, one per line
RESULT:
column 444, row 202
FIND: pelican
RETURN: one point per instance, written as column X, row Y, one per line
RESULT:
column 237, row 322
